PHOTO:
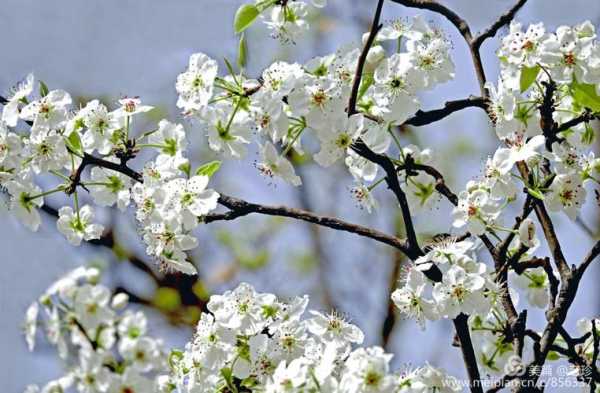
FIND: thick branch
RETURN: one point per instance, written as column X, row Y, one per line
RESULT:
column 461, row 324
column 394, row 185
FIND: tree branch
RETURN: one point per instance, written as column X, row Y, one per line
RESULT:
column 422, row 118
column 238, row 208
column 461, row 324
column 586, row 117
column 434, row 6
column 551, row 237
column 375, row 26
column 502, row 21
column 393, row 184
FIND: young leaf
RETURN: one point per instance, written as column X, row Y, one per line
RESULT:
column 185, row 168
column 535, row 193
column 244, row 17
column 242, row 52
column 43, row 89
column 209, row 169
column 586, row 96
column 167, row 299
column 528, row 76
column 553, row 356
column 74, row 142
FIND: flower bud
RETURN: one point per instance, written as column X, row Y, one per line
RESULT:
column 527, row 233
column 92, row 275
column 119, row 301
column 364, row 38
column 374, row 57
column 45, row 300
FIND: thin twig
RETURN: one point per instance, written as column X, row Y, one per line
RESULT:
column 502, row 21
column 239, row 208
column 422, row 118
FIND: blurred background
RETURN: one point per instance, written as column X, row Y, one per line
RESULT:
column 114, row 48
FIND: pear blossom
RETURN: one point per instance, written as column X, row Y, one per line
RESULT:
column 108, row 187
column 476, row 210
column 90, row 306
column 273, row 164
column 520, row 47
column 77, row 226
column 335, row 142
column 30, row 327
column 393, row 90
column 169, row 138
column 100, row 124
column 364, row 197
column 280, row 78
column 192, row 198
column 497, row 174
column 317, row 100
column 227, row 133
column 10, row 149
column 288, row 21
column 410, row 298
column 459, row 292
column 49, row 112
column 130, row 106
column 47, row 150
column 335, row 329
column 22, row 90
column 367, row 370
column 566, row 194
column 24, row 203
column 536, row 286
column 269, row 116
column 195, row 85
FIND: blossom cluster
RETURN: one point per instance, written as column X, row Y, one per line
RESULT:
column 558, row 71
column 274, row 110
column 541, row 107
column 287, row 20
column 169, row 203
column 255, row 341
column 288, row 98
column 106, row 348
column 467, row 286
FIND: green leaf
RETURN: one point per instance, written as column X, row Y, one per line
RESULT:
column 244, row 17
column 185, row 168
column 366, row 82
column 585, row 95
column 174, row 358
column 167, row 299
column 209, row 169
column 74, row 142
column 552, row 356
column 242, row 52
column 588, row 135
column 528, row 76
column 43, row 89
column 535, row 193
column 200, row 290
column 256, row 261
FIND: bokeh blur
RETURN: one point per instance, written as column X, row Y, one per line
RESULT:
column 112, row 48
